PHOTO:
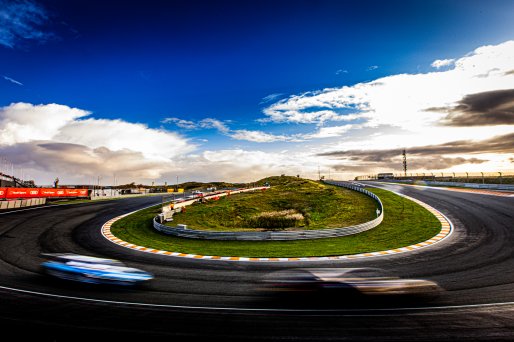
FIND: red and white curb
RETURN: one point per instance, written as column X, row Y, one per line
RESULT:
column 446, row 231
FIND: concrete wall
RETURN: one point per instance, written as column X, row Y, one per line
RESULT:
column 22, row 203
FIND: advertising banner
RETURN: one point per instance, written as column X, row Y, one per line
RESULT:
column 11, row 193
column 75, row 192
column 49, row 192
column 22, row 192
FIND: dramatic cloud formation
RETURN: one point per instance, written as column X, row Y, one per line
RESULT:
column 58, row 138
column 431, row 157
column 401, row 100
column 73, row 161
column 22, row 21
column 432, row 163
column 483, row 109
column 460, row 117
column 499, row 144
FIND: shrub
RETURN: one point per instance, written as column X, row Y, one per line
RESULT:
column 276, row 219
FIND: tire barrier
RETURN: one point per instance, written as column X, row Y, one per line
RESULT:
column 183, row 231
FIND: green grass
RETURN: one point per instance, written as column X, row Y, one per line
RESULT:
column 322, row 206
column 405, row 223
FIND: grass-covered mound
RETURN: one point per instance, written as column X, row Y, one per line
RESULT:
column 405, row 223
column 290, row 203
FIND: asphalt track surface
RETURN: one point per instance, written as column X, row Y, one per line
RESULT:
column 202, row 300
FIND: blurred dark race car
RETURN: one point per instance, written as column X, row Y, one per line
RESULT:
column 93, row 270
column 345, row 281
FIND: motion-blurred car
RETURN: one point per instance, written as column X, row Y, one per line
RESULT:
column 87, row 269
column 345, row 281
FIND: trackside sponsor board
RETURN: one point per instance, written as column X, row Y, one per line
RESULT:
column 41, row 192
column 75, row 192
column 49, row 192
column 22, row 193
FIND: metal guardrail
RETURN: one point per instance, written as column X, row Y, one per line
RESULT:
column 279, row 235
column 459, row 184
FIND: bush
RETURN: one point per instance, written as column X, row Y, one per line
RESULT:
column 276, row 220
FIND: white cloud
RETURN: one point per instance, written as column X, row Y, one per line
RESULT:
column 214, row 123
column 240, row 134
column 22, row 21
column 293, row 110
column 271, row 97
column 23, row 122
column 240, row 165
column 373, row 67
column 259, row 136
column 401, row 100
column 186, row 124
column 12, row 80
column 207, row 123
column 439, row 63
column 55, row 138
column 330, row 132
column 393, row 112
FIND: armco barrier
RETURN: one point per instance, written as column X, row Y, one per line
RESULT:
column 278, row 235
column 508, row 187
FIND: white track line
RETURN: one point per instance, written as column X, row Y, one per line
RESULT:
column 213, row 308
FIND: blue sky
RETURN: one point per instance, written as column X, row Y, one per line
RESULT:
column 157, row 62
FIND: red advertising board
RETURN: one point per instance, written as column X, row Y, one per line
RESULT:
column 48, row 192
column 22, row 192
column 41, row 192
column 76, row 192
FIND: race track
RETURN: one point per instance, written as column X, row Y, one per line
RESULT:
column 206, row 299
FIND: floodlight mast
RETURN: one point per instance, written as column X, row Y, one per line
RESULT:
column 404, row 162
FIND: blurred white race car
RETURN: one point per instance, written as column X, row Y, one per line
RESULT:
column 87, row 269
column 345, row 281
